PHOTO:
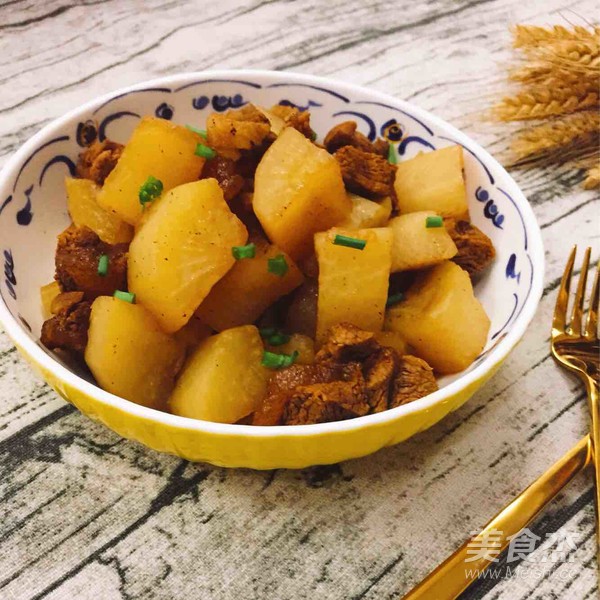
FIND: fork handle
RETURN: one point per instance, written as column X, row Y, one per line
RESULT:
column 459, row 570
column 592, row 390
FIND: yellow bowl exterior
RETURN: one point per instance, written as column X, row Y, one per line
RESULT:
column 253, row 451
column 517, row 274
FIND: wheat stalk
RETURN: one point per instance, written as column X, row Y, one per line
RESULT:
column 559, row 79
column 576, row 56
column 582, row 126
column 531, row 35
column 545, row 76
column 540, row 102
column 592, row 179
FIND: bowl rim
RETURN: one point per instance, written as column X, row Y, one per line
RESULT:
column 496, row 354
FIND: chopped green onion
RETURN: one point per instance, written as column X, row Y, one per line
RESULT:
column 434, row 222
column 205, row 152
column 150, row 190
column 267, row 332
column 278, row 339
column 394, row 299
column 273, row 336
column 392, row 159
column 125, row 296
column 273, row 360
column 103, row 265
column 200, row 132
column 247, row 251
column 350, row 242
column 278, row 265
column 313, row 135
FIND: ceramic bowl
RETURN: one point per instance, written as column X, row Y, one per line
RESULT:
column 33, row 211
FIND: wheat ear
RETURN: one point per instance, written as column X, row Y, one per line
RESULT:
column 592, row 179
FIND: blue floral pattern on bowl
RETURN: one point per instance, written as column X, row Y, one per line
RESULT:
column 492, row 207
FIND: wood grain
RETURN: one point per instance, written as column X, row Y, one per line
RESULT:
column 88, row 515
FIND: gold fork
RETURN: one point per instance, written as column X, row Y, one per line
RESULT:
column 576, row 347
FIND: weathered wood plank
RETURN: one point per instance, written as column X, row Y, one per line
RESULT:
column 88, row 515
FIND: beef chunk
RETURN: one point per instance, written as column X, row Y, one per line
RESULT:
column 365, row 173
column 235, row 130
column 475, row 249
column 353, row 375
column 64, row 301
column 323, row 402
column 68, row 329
column 346, row 342
column 248, row 161
column 98, row 160
column 345, row 134
column 225, row 172
column 302, row 312
column 247, row 113
column 284, row 383
column 295, row 118
column 380, row 370
column 77, row 254
column 414, row 380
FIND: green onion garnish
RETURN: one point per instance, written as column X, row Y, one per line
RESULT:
column 394, row 299
column 278, row 361
column 350, row 242
column 247, row 251
column 273, row 336
column 278, row 265
column 434, row 222
column 151, row 189
column 392, row 159
column 103, row 265
column 267, row 332
column 313, row 135
column 125, row 296
column 278, row 339
column 200, row 132
column 205, row 152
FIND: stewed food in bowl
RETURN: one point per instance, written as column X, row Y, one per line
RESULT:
column 249, row 273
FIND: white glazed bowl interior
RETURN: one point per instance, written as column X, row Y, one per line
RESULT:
column 33, row 203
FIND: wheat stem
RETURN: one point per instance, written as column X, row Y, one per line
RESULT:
column 538, row 103
column 556, row 133
column 592, row 179
column 531, row 35
column 559, row 81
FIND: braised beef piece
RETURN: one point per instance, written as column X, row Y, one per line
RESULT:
column 240, row 129
column 77, row 254
column 380, row 370
column 224, row 170
column 302, row 313
column 353, row 375
column 345, row 134
column 365, row 173
column 413, row 381
column 247, row 113
column 98, row 160
column 68, row 329
column 247, row 420
column 347, row 343
column 285, row 382
column 475, row 249
column 295, row 118
column 332, row 401
column 400, row 282
column 64, row 301
column 248, row 161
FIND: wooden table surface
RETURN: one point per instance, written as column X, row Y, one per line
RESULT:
column 87, row 515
